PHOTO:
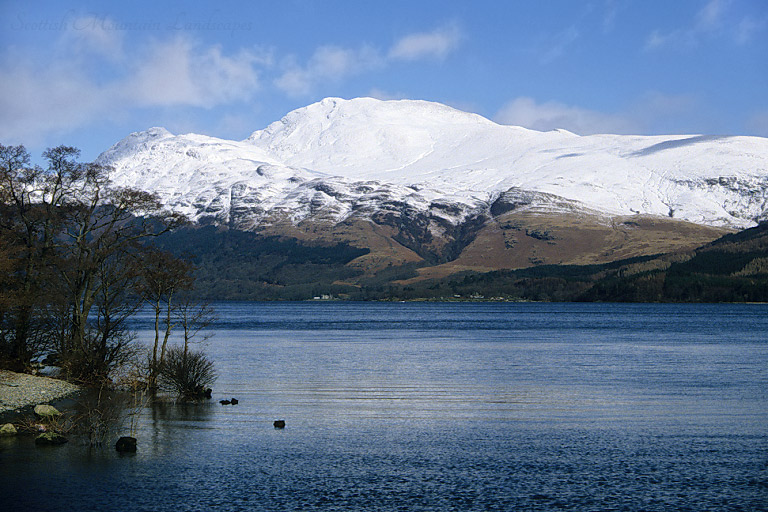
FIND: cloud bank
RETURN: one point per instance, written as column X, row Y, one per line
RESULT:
column 649, row 113
column 551, row 115
column 92, row 77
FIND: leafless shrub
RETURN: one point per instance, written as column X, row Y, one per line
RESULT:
column 186, row 372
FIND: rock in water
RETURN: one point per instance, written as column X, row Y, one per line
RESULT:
column 8, row 430
column 224, row 402
column 126, row 444
column 47, row 411
column 202, row 392
column 50, row 438
column 233, row 401
column 279, row 423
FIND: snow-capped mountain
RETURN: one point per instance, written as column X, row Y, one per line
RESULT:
column 366, row 158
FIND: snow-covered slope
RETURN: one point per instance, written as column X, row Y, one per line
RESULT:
column 338, row 158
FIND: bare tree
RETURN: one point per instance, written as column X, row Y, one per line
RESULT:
column 30, row 201
column 194, row 317
column 76, row 236
column 163, row 277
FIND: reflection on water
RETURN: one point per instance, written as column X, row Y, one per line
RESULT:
column 443, row 407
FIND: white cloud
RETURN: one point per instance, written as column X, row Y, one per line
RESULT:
column 758, row 124
column 234, row 126
column 435, row 45
column 557, row 44
column 651, row 113
column 610, row 12
column 667, row 112
column 655, row 40
column 710, row 16
column 92, row 35
column 748, row 27
column 551, row 115
column 35, row 102
column 331, row 64
column 714, row 19
column 178, row 72
column 327, row 64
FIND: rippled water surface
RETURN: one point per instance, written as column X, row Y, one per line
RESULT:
column 458, row 406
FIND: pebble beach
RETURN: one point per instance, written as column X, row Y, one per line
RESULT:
column 20, row 390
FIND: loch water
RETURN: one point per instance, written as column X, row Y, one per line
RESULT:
column 441, row 406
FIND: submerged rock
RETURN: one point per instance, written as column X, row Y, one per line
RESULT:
column 47, row 411
column 8, row 430
column 50, row 438
column 126, row 444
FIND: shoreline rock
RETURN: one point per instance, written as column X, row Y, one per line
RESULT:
column 50, row 438
column 8, row 430
column 46, row 412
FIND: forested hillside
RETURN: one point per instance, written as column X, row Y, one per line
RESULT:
column 239, row 265
column 235, row 265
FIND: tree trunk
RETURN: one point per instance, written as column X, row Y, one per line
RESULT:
column 153, row 370
column 168, row 327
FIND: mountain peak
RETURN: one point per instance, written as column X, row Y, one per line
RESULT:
column 335, row 110
column 157, row 131
column 134, row 143
column 363, row 135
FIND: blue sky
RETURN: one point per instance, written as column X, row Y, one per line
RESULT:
column 89, row 73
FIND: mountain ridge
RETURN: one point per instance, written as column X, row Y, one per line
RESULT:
column 437, row 152
column 415, row 181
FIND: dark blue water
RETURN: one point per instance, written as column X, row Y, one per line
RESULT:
column 471, row 406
